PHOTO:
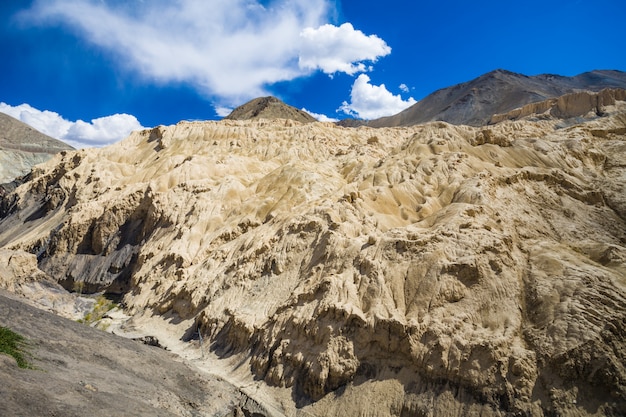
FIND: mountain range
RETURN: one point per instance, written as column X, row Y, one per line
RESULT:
column 431, row 269
column 474, row 102
column 471, row 103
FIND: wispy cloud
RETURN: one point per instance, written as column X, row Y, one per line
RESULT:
column 79, row 134
column 369, row 101
column 229, row 49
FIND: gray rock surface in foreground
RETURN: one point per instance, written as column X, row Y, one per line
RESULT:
column 80, row 371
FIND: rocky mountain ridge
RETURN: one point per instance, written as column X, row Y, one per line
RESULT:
column 497, row 92
column 567, row 106
column 21, row 147
column 437, row 269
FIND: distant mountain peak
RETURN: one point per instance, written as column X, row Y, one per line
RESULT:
column 269, row 108
column 504, row 71
column 21, row 147
column 497, row 92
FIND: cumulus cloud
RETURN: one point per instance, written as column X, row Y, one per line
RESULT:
column 47, row 122
column 339, row 49
column 369, row 101
column 231, row 49
column 103, row 130
column 404, row 88
column 320, row 117
column 79, row 134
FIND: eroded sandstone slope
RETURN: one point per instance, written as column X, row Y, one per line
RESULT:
column 435, row 269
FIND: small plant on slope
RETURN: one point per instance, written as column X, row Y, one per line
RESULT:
column 102, row 306
column 13, row 344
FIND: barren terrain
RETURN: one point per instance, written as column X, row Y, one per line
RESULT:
column 80, row 371
column 427, row 270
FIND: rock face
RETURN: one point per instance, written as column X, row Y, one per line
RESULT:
column 269, row 108
column 497, row 92
column 428, row 270
column 21, row 147
column 20, row 275
column 567, row 106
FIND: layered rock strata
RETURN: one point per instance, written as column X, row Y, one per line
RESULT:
column 567, row 106
column 395, row 271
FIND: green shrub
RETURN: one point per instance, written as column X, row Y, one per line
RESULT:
column 102, row 306
column 13, row 344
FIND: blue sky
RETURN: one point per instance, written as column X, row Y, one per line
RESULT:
column 88, row 71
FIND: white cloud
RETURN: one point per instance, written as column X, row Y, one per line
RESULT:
column 103, row 130
column 47, row 122
column 223, row 111
column 321, row 117
column 99, row 132
column 404, row 88
column 228, row 48
column 369, row 101
column 232, row 49
column 339, row 49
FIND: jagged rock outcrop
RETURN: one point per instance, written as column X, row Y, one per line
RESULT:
column 432, row 269
column 566, row 106
column 20, row 275
column 22, row 147
column 269, row 108
column 497, row 92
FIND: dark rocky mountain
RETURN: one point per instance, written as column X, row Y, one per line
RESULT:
column 497, row 92
column 269, row 108
column 21, row 147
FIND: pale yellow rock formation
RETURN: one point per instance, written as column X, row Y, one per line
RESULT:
column 566, row 106
column 431, row 270
column 18, row 267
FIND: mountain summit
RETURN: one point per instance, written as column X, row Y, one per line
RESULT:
column 269, row 108
column 497, row 92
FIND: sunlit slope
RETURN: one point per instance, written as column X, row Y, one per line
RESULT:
column 489, row 260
